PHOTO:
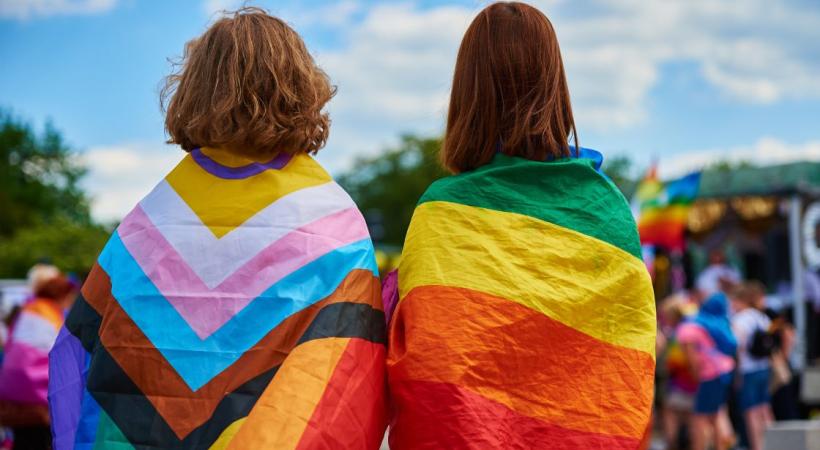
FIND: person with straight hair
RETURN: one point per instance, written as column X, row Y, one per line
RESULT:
column 525, row 316
column 238, row 304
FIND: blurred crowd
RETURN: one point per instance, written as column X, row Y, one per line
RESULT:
column 27, row 333
column 723, row 363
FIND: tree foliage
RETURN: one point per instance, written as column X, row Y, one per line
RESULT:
column 71, row 246
column 39, row 177
column 726, row 166
column 620, row 170
column 387, row 187
column 44, row 214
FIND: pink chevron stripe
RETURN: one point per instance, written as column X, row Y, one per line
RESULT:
column 206, row 310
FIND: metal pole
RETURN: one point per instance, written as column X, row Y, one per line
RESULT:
column 798, row 294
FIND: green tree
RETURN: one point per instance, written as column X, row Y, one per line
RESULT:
column 727, row 166
column 387, row 187
column 44, row 214
column 71, row 246
column 620, row 171
column 39, row 178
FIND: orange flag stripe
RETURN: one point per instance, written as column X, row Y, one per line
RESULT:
column 528, row 362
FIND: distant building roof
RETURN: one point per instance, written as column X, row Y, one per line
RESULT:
column 784, row 179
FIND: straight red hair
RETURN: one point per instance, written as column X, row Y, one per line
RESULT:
column 509, row 91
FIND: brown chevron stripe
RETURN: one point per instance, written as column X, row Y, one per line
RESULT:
column 185, row 410
column 137, row 418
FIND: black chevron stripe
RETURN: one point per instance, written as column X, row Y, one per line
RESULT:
column 137, row 418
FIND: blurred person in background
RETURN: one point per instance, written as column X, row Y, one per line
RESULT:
column 24, row 373
column 718, row 276
column 39, row 274
column 710, row 346
column 755, row 346
column 680, row 384
column 785, row 392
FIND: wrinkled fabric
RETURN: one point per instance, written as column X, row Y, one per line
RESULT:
column 390, row 294
column 236, row 306
column 526, row 317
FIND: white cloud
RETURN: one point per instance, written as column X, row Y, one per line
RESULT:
column 399, row 62
column 753, row 51
column 393, row 77
column 26, row 9
column 765, row 151
column 395, row 66
column 120, row 176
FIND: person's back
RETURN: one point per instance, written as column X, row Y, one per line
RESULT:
column 237, row 305
column 24, row 372
column 526, row 317
column 746, row 324
column 756, row 345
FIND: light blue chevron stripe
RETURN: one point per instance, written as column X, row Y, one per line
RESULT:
column 197, row 361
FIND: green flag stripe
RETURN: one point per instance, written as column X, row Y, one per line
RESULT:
column 109, row 435
column 569, row 193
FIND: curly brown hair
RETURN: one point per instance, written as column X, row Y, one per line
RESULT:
column 248, row 84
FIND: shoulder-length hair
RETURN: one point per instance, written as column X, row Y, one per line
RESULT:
column 248, row 85
column 509, row 91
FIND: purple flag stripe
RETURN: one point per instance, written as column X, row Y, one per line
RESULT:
column 237, row 173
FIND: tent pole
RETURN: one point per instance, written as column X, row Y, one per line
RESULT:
column 798, row 296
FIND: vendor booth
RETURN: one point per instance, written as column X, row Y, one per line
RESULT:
column 767, row 221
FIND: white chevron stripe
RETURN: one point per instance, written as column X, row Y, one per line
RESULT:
column 215, row 259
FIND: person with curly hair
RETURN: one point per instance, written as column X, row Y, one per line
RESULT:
column 238, row 304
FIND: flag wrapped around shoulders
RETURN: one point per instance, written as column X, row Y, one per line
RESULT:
column 237, row 306
column 526, row 317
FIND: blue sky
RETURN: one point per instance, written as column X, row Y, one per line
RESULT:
column 686, row 81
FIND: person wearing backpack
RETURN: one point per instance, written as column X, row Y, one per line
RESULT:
column 710, row 346
column 755, row 346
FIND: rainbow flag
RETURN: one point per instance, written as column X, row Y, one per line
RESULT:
column 237, row 306
column 662, row 209
column 526, row 317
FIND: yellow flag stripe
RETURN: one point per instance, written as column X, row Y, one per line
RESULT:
column 223, row 204
column 578, row 280
column 227, row 435
column 280, row 415
column 230, row 158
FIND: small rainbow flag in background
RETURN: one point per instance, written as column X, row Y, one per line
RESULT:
column 662, row 209
column 526, row 317
column 236, row 307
